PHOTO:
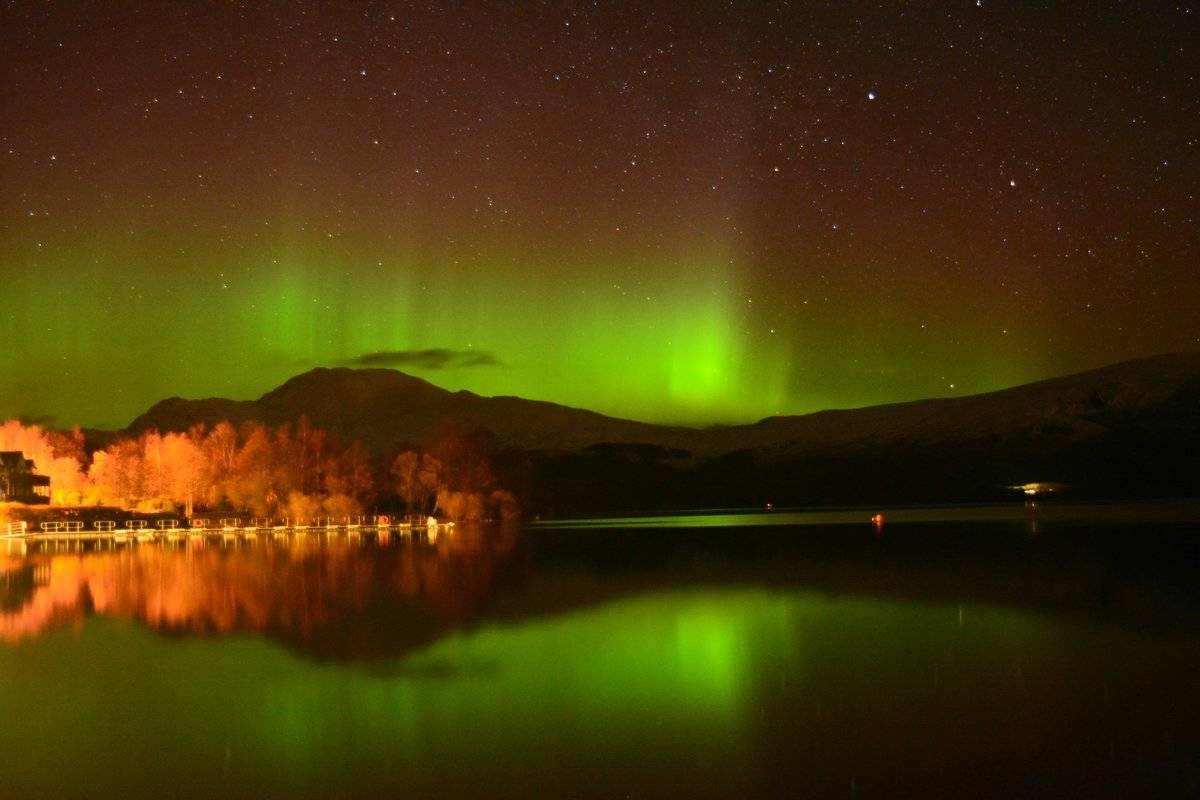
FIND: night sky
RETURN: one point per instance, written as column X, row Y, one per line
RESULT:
column 668, row 211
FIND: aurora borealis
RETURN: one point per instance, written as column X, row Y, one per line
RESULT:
column 661, row 211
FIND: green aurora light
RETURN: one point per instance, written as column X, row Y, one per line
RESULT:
column 680, row 343
column 714, row 220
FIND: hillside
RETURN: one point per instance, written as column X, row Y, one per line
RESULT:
column 1128, row 429
column 1066, row 409
column 385, row 408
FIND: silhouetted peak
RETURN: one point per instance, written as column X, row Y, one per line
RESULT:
column 326, row 380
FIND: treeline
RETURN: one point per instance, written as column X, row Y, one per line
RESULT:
column 293, row 470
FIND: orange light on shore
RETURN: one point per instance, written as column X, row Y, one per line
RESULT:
column 1039, row 488
column 877, row 520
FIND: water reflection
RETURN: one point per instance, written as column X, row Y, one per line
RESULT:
column 1033, row 512
column 373, row 595
column 598, row 662
column 328, row 594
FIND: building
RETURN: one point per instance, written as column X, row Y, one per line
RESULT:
column 1040, row 488
column 19, row 483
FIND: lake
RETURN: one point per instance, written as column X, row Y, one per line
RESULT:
column 1028, row 650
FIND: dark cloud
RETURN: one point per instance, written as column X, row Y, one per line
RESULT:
column 433, row 358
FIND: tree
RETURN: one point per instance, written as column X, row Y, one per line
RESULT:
column 341, row 505
column 221, row 447
column 185, row 469
column 465, row 459
column 349, row 472
column 417, row 477
column 249, row 484
column 301, row 507
column 308, row 446
column 118, row 473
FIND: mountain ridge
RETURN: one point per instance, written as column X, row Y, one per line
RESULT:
column 386, row 407
column 371, row 403
column 1129, row 429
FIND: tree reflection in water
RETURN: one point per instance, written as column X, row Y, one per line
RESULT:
column 329, row 596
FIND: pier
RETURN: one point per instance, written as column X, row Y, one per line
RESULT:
column 171, row 530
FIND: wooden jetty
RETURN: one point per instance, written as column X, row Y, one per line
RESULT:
column 227, row 528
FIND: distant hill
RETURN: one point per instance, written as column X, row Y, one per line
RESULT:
column 1067, row 409
column 1131, row 428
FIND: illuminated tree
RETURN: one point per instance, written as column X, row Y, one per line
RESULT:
column 417, row 477
column 119, row 474
column 301, row 507
column 249, row 484
column 185, row 469
column 220, row 450
column 341, row 505
column 349, row 472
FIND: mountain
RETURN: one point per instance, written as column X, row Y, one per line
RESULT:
column 1071, row 408
column 1131, row 429
column 1127, row 429
column 385, row 408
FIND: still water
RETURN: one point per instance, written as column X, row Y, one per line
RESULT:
column 1011, row 652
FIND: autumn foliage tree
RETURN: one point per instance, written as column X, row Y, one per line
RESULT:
column 456, row 474
column 293, row 470
column 416, row 477
column 296, row 471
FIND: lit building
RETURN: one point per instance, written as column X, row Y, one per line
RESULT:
column 1039, row 488
column 19, row 483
